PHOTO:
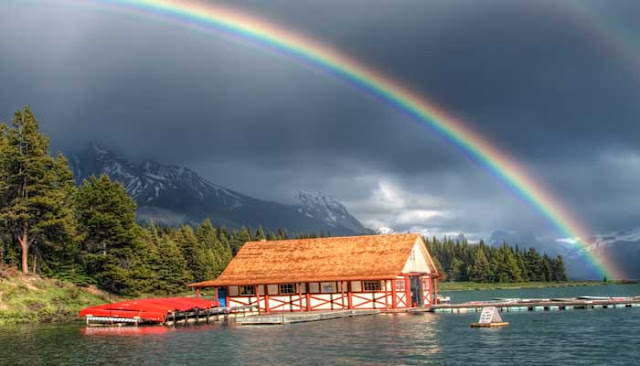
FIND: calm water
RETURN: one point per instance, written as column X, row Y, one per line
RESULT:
column 577, row 337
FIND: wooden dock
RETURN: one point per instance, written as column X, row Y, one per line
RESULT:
column 303, row 317
column 520, row 305
column 225, row 314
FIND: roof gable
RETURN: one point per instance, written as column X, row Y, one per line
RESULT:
column 320, row 259
column 419, row 260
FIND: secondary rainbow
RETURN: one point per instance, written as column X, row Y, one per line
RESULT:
column 337, row 63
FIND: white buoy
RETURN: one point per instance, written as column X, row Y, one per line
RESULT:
column 490, row 317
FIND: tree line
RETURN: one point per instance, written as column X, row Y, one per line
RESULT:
column 88, row 234
column 461, row 261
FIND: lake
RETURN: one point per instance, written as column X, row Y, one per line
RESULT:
column 577, row 337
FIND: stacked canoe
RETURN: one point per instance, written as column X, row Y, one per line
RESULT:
column 153, row 310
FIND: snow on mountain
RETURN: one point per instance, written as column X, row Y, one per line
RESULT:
column 324, row 207
column 385, row 230
column 172, row 195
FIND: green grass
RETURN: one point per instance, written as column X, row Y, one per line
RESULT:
column 28, row 299
column 459, row 286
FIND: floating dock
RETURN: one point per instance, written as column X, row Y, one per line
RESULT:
column 167, row 311
column 555, row 304
column 176, row 310
column 303, row 317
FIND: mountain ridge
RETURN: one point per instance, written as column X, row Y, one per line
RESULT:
column 171, row 195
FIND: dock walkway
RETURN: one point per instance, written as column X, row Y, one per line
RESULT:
column 539, row 305
column 290, row 318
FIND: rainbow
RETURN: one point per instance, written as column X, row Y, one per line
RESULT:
column 330, row 60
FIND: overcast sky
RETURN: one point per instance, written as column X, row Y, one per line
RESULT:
column 555, row 84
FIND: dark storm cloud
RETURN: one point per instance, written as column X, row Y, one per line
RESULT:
column 534, row 77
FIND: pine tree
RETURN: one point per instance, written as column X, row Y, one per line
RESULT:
column 171, row 268
column 282, row 234
column 533, row 261
column 217, row 248
column 34, row 195
column 194, row 253
column 511, row 263
column 499, row 267
column 456, row 272
column 480, row 269
column 547, row 269
column 238, row 238
column 560, row 272
column 521, row 265
column 260, row 234
column 111, row 249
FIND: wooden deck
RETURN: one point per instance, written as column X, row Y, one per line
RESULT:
column 538, row 305
column 302, row 317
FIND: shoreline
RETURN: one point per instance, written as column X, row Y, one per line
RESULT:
column 479, row 286
column 35, row 300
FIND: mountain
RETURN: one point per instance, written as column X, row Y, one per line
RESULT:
column 323, row 207
column 173, row 195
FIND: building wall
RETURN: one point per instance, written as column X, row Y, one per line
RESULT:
column 328, row 296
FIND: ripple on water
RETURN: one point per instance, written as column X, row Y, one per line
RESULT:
column 576, row 337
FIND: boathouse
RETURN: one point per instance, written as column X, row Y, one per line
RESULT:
column 362, row 272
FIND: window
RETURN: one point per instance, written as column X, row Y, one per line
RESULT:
column 400, row 285
column 247, row 290
column 328, row 287
column 287, row 288
column 372, row 285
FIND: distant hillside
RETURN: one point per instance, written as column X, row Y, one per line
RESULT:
column 172, row 195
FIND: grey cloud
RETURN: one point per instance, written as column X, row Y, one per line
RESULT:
column 531, row 76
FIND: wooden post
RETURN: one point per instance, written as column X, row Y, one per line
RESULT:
column 435, row 289
column 407, row 290
column 266, row 298
column 215, row 294
column 300, row 295
column 386, row 295
column 255, row 289
column 394, row 300
column 349, row 297
column 431, row 298
column 342, row 294
column 306, row 286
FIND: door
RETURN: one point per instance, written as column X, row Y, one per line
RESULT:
column 222, row 297
column 416, row 292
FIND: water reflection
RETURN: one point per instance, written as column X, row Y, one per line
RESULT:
column 124, row 331
column 570, row 337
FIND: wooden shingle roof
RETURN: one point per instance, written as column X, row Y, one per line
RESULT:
column 321, row 259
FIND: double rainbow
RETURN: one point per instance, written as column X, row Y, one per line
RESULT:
column 330, row 60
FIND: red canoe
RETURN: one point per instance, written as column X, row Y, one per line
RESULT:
column 148, row 310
